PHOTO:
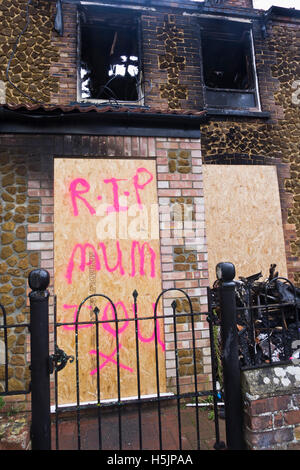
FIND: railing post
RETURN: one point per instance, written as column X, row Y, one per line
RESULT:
column 38, row 281
column 230, row 358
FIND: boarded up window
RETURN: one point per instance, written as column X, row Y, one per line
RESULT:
column 107, row 242
column 243, row 218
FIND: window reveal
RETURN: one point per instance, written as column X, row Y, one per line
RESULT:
column 228, row 65
column 109, row 61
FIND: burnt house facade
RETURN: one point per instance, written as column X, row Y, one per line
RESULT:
column 200, row 99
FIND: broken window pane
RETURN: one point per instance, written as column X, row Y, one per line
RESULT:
column 227, row 64
column 228, row 70
column 109, row 61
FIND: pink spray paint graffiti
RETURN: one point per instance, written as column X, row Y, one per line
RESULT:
column 138, row 187
column 128, row 259
column 137, row 252
column 152, row 337
column 106, row 325
column 116, row 207
column 76, row 194
column 109, row 359
column 75, row 308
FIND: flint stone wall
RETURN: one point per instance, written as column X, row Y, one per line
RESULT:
column 29, row 65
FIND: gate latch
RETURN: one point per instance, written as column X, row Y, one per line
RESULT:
column 58, row 360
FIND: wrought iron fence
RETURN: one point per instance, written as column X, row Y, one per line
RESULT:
column 119, row 404
column 5, row 328
column 267, row 316
column 42, row 365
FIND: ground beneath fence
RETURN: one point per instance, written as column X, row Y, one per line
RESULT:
column 89, row 430
column 14, row 432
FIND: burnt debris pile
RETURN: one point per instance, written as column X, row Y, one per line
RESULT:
column 267, row 319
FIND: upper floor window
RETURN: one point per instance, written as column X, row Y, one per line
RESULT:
column 228, row 65
column 110, row 59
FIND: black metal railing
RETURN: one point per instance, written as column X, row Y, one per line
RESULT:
column 78, row 410
column 5, row 328
column 43, row 365
column 39, row 384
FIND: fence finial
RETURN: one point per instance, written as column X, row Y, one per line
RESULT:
column 225, row 271
column 38, row 279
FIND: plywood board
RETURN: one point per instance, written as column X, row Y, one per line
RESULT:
column 106, row 242
column 243, row 218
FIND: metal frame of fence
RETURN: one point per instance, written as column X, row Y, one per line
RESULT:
column 43, row 365
column 224, row 311
column 5, row 327
column 120, row 403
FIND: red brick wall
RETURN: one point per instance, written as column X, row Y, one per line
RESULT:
column 65, row 70
column 273, row 423
column 272, row 408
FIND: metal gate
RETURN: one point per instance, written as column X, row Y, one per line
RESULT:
column 157, row 422
column 141, row 422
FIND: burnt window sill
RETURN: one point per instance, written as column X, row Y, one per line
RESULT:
column 111, row 103
column 238, row 112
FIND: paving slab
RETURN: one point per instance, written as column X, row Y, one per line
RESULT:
column 181, row 430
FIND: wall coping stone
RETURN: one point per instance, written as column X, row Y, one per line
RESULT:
column 269, row 381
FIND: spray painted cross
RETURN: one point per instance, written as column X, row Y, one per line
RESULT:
column 109, row 359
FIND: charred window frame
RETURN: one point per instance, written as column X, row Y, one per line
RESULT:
column 109, row 57
column 228, row 65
